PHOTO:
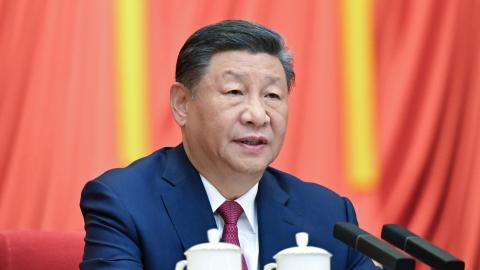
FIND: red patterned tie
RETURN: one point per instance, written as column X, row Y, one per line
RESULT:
column 230, row 211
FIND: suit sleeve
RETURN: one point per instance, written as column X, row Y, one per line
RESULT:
column 111, row 241
column 357, row 261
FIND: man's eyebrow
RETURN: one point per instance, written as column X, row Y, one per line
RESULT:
column 273, row 79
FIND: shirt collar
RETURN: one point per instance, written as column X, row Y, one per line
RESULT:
column 247, row 200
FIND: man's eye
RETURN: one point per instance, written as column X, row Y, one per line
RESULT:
column 273, row 96
column 234, row 92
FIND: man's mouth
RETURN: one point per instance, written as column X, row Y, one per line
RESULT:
column 252, row 140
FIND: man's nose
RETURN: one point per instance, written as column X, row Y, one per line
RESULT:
column 254, row 113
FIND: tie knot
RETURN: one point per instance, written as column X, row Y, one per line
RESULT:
column 230, row 211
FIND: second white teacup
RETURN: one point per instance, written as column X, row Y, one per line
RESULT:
column 301, row 257
column 213, row 255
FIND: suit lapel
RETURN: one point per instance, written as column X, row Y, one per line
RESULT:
column 190, row 211
column 187, row 202
column 277, row 223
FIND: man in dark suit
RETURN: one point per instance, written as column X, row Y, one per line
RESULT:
column 230, row 100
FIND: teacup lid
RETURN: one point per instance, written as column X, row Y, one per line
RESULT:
column 214, row 243
column 302, row 247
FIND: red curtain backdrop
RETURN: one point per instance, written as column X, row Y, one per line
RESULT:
column 58, row 124
column 428, row 71
column 56, row 116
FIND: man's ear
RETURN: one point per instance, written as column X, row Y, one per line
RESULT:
column 179, row 99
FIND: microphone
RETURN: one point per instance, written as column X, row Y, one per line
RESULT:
column 371, row 246
column 420, row 248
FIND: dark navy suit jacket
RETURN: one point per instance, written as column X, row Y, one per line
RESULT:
column 146, row 215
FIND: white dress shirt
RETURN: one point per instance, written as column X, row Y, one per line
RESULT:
column 247, row 223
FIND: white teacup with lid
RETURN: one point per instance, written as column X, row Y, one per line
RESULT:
column 213, row 255
column 302, row 257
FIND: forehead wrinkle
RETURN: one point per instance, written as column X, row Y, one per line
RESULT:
column 271, row 79
column 236, row 75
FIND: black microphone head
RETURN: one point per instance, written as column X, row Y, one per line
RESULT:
column 420, row 248
column 396, row 235
column 348, row 233
column 371, row 246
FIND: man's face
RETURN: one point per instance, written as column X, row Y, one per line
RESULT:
column 237, row 117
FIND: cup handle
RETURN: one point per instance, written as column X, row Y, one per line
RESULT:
column 181, row 265
column 269, row 266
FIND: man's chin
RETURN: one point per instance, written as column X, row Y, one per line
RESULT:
column 251, row 166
